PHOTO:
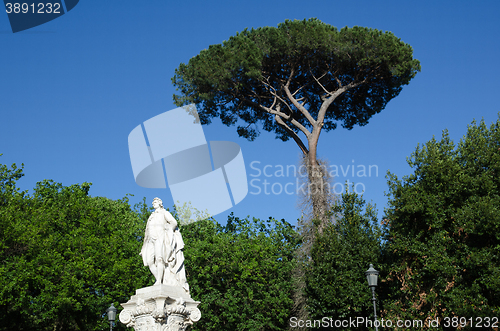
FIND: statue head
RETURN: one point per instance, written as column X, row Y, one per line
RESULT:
column 157, row 201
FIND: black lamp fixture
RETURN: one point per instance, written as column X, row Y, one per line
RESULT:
column 111, row 311
column 372, row 277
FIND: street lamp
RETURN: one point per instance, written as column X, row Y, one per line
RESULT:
column 372, row 277
column 111, row 311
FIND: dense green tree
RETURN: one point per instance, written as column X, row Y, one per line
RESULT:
column 65, row 256
column 8, row 180
column 336, row 283
column 9, row 196
column 302, row 77
column 241, row 272
column 443, row 231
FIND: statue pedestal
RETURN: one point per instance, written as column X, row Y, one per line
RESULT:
column 160, row 308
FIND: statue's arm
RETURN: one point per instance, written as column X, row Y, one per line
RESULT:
column 170, row 219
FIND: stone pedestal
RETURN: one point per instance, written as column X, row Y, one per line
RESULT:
column 160, row 308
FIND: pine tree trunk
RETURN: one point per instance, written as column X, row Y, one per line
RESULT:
column 316, row 200
column 319, row 188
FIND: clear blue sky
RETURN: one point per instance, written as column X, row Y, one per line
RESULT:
column 71, row 90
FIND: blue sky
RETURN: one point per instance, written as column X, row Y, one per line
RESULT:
column 72, row 90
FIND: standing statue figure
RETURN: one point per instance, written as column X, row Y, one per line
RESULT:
column 162, row 248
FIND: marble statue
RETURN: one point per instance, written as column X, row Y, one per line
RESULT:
column 167, row 305
column 162, row 248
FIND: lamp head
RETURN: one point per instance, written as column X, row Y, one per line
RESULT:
column 111, row 311
column 372, row 276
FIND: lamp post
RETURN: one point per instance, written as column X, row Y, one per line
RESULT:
column 111, row 311
column 372, row 277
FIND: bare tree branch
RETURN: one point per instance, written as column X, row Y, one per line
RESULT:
column 321, row 85
column 277, row 112
column 333, row 96
column 288, row 117
column 292, row 133
column 294, row 101
column 274, row 93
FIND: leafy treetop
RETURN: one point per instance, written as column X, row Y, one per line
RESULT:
column 442, row 229
column 302, row 76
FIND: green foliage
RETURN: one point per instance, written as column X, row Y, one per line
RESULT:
column 65, row 256
column 443, row 229
column 336, row 283
column 186, row 213
column 247, row 76
column 8, row 179
column 241, row 272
